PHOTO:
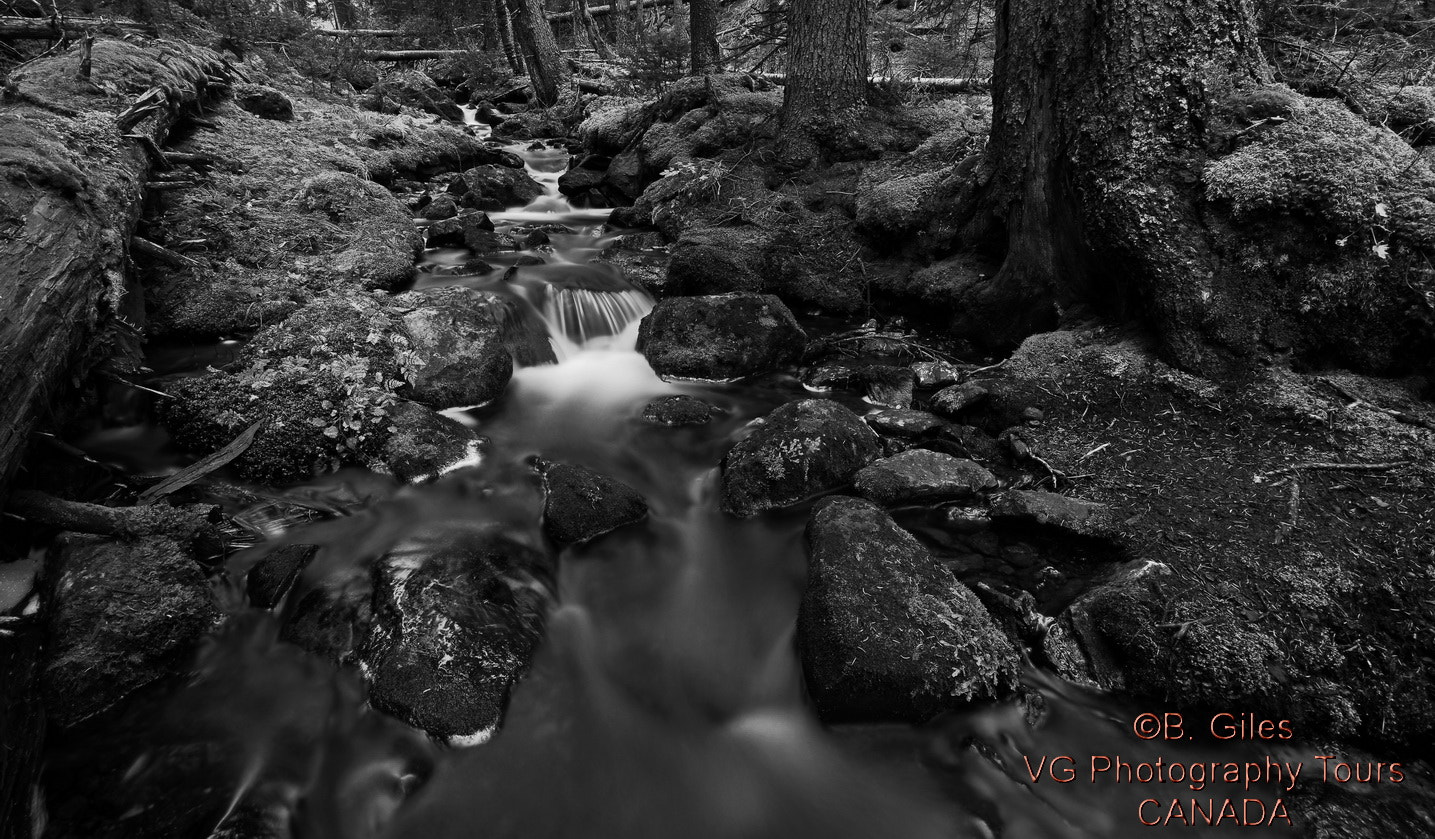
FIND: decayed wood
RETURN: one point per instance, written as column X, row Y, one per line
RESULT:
column 22, row 28
column 160, row 253
column 68, row 213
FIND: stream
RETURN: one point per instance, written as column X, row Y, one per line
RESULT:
column 666, row 699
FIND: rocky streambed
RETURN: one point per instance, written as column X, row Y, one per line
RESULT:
column 606, row 528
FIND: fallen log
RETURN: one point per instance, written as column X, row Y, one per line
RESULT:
column 599, row 11
column 940, row 85
column 36, row 28
column 410, row 55
column 70, row 195
column 184, row 524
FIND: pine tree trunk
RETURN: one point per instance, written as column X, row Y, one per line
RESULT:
column 546, row 68
column 827, row 64
column 505, row 35
column 703, row 25
column 1091, row 180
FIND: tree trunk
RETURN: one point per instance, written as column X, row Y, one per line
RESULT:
column 583, row 19
column 505, row 36
column 546, row 68
column 1091, row 179
column 69, row 213
column 703, row 35
column 827, row 64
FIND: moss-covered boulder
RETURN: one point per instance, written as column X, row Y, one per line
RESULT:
column 800, row 450
column 495, row 187
column 410, row 89
column 723, row 336
column 885, row 632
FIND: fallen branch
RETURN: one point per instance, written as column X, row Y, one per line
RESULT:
column 410, row 55
column 939, row 85
column 121, row 522
column 22, row 28
column 200, row 468
column 161, row 253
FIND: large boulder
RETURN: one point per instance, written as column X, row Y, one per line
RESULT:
column 122, row 614
column 921, row 476
column 580, row 504
column 800, row 450
column 460, row 344
column 457, row 617
column 383, row 241
column 720, row 337
column 885, row 632
column 410, row 89
column 495, row 187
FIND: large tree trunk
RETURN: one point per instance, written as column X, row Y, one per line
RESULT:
column 1091, row 179
column 583, row 19
column 68, row 208
column 827, row 65
column 546, row 68
column 703, row 34
column 505, row 35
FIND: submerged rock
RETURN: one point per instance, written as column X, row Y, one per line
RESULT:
column 720, row 337
column 271, row 579
column 885, row 631
column 919, row 475
column 581, row 504
column 800, row 450
column 678, row 410
column 494, row 187
column 121, row 615
column 457, row 617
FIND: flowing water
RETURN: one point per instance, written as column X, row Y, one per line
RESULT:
column 666, row 699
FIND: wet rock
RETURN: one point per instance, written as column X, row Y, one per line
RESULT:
column 624, row 176
column 581, row 504
column 678, row 410
column 919, row 475
column 457, row 616
column 263, row 101
column 424, row 443
column 879, row 384
column 966, row 520
column 530, row 125
column 496, row 156
column 1039, row 508
column 887, row 633
column 969, row 441
column 121, row 615
column 495, row 188
column 410, row 89
column 952, row 401
column 800, row 450
column 718, row 260
column 441, row 207
column 904, row 423
column 721, row 337
column 458, row 337
column 270, row 580
column 938, row 373
column 445, row 233
column 579, row 181
column 333, row 616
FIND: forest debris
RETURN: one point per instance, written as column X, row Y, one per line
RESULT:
column 186, row 523
column 200, row 468
column 160, row 253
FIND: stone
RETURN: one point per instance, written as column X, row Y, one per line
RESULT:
column 121, row 614
column 678, row 410
column 879, row 384
column 965, row 520
column 263, row 101
column 904, row 423
column 918, row 475
column 579, row 181
column 426, row 443
column 439, row 208
column 800, row 450
column 725, row 336
column 495, row 188
column 952, row 401
column 445, row 233
column 457, row 337
column 938, row 373
column 458, row 614
column 410, row 89
column 885, row 632
column 271, row 579
column 580, row 504
column 1053, row 511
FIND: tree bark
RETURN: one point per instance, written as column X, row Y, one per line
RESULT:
column 505, row 36
column 584, row 19
column 1091, row 179
column 827, row 63
column 21, row 28
column 703, row 36
column 68, row 215
column 546, row 68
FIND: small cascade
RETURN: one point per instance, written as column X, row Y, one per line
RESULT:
column 580, row 314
